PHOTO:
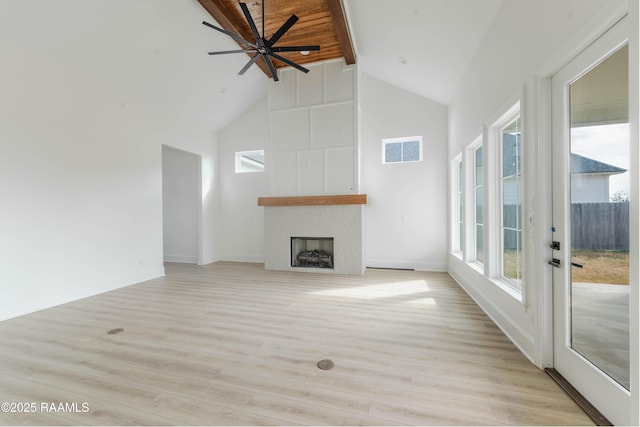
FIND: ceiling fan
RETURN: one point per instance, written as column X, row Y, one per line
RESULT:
column 262, row 47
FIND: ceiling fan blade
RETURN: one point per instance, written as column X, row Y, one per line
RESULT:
column 252, row 24
column 282, row 30
column 252, row 61
column 230, row 34
column 289, row 62
column 294, row 48
column 224, row 52
column 272, row 68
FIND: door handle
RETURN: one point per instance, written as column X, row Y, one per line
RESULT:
column 555, row 262
column 575, row 264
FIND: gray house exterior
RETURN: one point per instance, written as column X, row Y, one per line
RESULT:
column 590, row 179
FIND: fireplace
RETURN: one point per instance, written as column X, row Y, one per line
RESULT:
column 315, row 252
column 322, row 219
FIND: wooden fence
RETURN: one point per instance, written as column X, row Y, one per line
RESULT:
column 594, row 226
column 600, row 226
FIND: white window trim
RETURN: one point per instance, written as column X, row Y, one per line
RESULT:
column 470, row 182
column 386, row 141
column 456, row 250
column 493, row 197
column 238, row 161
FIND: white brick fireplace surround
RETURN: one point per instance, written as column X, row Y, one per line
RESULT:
column 337, row 217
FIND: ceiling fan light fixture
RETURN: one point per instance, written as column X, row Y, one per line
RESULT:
column 263, row 47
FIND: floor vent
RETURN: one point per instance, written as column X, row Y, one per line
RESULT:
column 325, row 364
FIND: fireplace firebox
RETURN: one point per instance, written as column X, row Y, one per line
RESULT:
column 313, row 252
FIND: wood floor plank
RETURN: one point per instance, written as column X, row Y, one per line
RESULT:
column 233, row 344
column 100, row 412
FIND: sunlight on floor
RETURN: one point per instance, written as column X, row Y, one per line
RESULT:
column 424, row 301
column 383, row 290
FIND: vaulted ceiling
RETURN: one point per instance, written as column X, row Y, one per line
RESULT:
column 423, row 46
column 156, row 50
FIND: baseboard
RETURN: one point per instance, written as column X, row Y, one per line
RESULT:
column 82, row 291
column 516, row 334
column 241, row 258
column 407, row 265
column 184, row 259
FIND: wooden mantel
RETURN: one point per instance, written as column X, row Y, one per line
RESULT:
column 342, row 199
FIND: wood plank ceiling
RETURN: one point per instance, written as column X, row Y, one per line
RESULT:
column 321, row 22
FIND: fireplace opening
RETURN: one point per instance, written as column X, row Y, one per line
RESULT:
column 316, row 252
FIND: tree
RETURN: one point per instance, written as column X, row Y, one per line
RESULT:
column 620, row 196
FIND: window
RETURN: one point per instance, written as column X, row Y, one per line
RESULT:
column 478, row 199
column 401, row 150
column 457, row 206
column 460, row 208
column 501, row 162
column 250, row 161
column 511, row 190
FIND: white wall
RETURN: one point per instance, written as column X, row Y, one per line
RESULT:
column 307, row 128
column 241, row 220
column 181, row 205
column 80, row 186
column 406, row 217
column 527, row 40
column 313, row 135
column 82, row 123
column 403, row 229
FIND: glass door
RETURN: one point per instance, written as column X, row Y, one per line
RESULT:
column 591, row 224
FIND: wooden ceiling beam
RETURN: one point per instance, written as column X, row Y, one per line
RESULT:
column 323, row 23
column 225, row 16
column 342, row 30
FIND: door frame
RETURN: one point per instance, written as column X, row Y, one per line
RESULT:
column 195, row 204
column 582, row 38
column 613, row 400
column 541, row 224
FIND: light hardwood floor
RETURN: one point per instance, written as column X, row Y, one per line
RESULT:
column 232, row 344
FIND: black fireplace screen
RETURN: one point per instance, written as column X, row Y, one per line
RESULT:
column 314, row 252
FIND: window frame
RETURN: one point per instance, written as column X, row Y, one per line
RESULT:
column 518, row 228
column 457, row 206
column 494, row 217
column 238, row 161
column 402, row 141
column 472, row 184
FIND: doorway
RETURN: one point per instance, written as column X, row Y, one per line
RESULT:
column 181, row 205
column 591, row 250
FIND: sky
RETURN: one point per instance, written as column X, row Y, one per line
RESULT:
column 608, row 144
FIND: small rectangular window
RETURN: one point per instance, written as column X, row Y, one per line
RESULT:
column 401, row 150
column 249, row 161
